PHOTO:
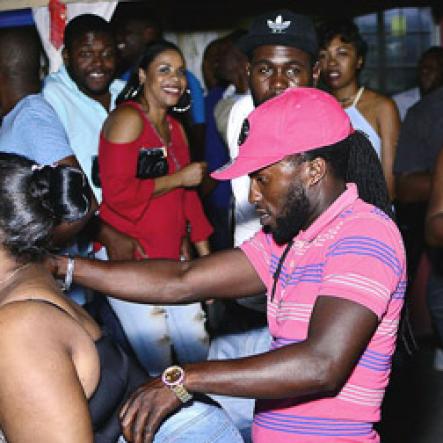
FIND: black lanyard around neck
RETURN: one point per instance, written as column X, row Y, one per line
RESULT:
column 279, row 266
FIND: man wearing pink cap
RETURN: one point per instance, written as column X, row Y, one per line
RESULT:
column 333, row 266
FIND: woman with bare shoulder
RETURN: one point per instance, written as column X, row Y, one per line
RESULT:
column 148, row 184
column 61, row 379
column 342, row 56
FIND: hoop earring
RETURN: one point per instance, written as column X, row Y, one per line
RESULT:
column 185, row 102
column 136, row 91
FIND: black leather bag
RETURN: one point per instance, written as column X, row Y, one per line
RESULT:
column 95, row 174
column 151, row 163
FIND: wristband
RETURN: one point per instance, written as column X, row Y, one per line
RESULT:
column 69, row 274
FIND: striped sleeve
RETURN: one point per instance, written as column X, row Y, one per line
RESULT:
column 258, row 251
column 364, row 264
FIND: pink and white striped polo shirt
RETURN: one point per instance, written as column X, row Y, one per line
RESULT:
column 352, row 251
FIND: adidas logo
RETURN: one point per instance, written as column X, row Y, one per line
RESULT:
column 278, row 26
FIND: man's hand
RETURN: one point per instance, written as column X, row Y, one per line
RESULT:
column 52, row 264
column 120, row 246
column 143, row 413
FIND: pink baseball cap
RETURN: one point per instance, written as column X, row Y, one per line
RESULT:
column 296, row 121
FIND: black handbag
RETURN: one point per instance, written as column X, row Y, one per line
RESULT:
column 95, row 174
column 152, row 163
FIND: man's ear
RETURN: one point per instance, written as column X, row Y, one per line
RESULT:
column 65, row 56
column 315, row 73
column 359, row 62
column 248, row 69
column 317, row 170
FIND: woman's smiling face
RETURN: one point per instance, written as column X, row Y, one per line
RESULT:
column 164, row 79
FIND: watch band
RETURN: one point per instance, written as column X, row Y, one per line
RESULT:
column 173, row 377
column 181, row 392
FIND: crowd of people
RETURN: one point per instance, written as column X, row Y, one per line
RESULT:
column 224, row 268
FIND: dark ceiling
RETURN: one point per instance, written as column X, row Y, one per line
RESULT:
column 210, row 14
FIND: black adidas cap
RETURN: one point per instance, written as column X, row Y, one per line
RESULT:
column 281, row 27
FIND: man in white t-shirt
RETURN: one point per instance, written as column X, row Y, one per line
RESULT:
column 429, row 76
column 282, row 51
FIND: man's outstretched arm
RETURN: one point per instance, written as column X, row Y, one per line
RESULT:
column 226, row 274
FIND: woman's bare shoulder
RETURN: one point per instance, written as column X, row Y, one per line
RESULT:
column 38, row 375
column 123, row 125
column 31, row 314
column 381, row 101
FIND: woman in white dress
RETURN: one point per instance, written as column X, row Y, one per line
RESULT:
column 342, row 56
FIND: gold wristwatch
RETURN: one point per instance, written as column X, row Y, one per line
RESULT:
column 173, row 377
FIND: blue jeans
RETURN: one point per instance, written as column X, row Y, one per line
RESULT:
column 242, row 344
column 198, row 423
column 153, row 330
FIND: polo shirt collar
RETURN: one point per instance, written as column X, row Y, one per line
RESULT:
column 346, row 199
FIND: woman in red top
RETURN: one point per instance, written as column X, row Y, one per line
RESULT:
column 150, row 198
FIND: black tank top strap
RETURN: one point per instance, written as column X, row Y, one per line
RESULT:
column 55, row 305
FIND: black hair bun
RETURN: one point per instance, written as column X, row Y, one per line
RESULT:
column 62, row 191
column 33, row 200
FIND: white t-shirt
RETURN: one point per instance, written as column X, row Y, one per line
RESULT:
column 404, row 100
column 246, row 220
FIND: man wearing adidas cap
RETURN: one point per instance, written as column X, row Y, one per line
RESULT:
column 333, row 266
column 282, row 50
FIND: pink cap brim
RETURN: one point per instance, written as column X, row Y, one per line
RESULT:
column 243, row 166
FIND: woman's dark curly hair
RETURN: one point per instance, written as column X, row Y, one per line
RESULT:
column 348, row 32
column 33, row 200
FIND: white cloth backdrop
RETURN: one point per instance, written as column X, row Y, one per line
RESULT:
column 41, row 18
column 193, row 45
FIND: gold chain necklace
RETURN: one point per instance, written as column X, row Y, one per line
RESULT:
column 347, row 99
column 355, row 97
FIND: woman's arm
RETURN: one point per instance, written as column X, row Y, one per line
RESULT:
column 123, row 126
column 200, row 228
column 189, row 176
column 41, row 398
column 388, row 121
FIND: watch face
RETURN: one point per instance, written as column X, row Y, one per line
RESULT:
column 173, row 375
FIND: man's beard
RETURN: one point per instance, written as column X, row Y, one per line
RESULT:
column 295, row 217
